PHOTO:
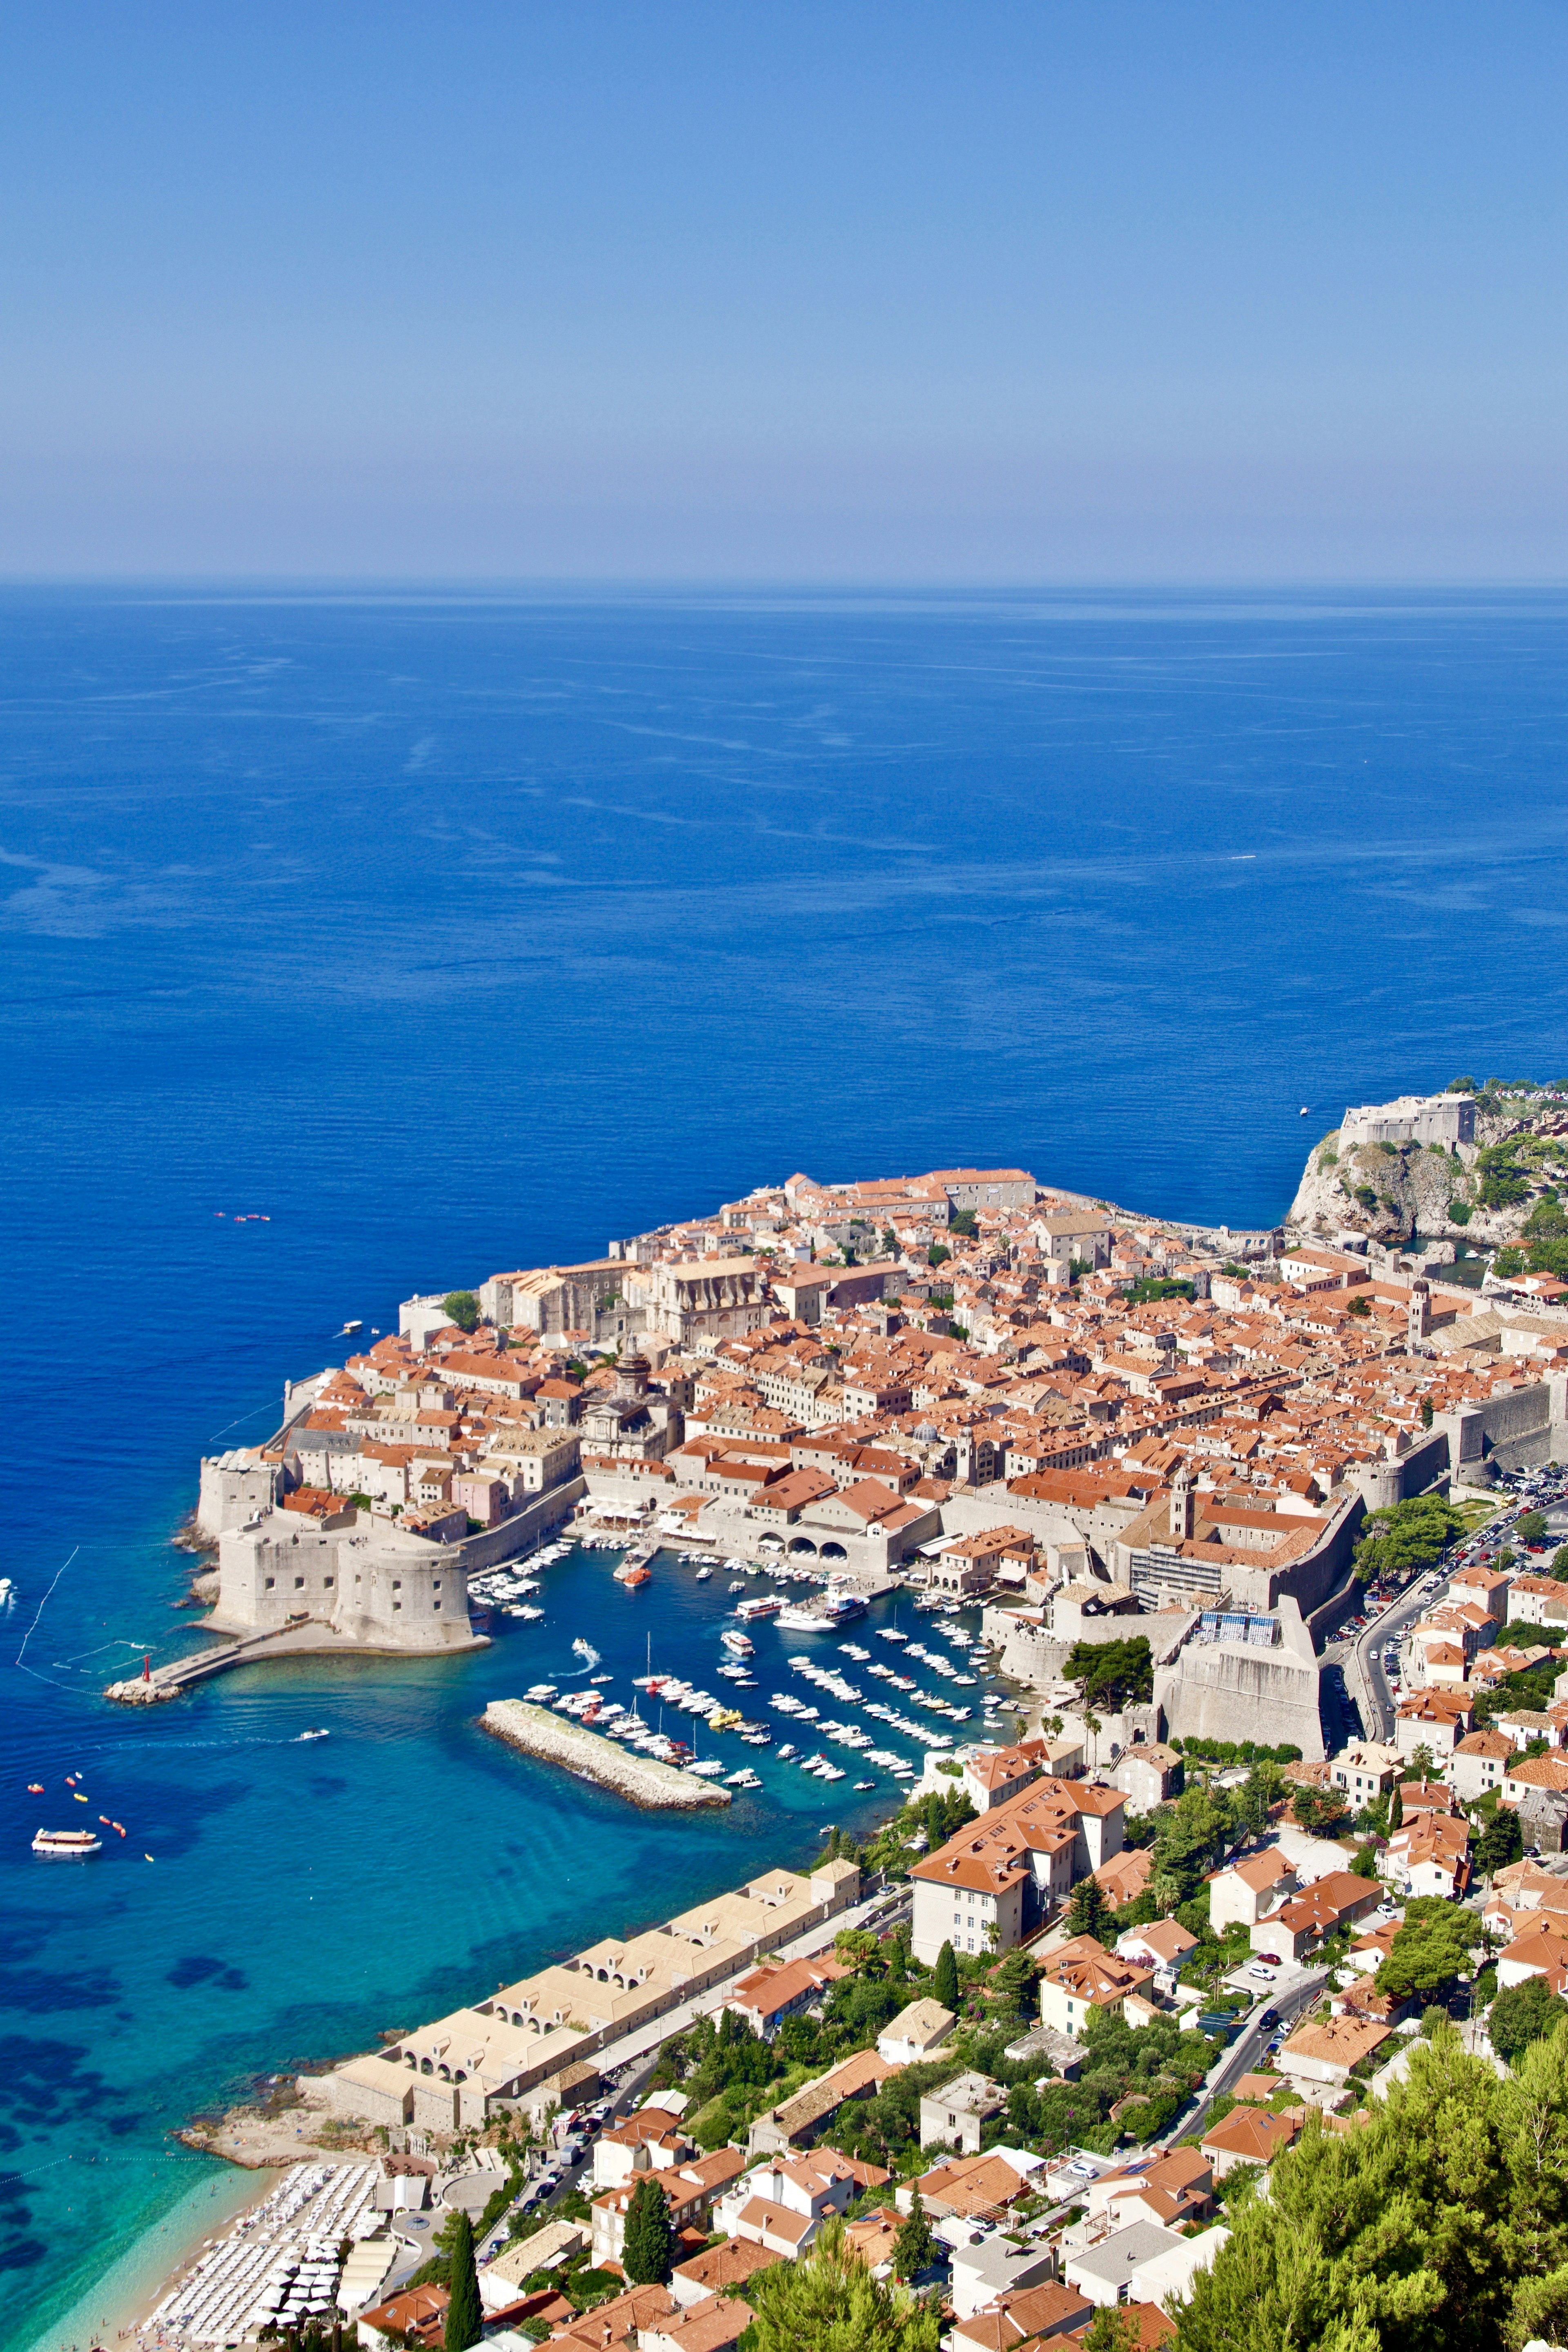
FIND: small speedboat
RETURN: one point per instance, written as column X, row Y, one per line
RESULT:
column 702, row 1575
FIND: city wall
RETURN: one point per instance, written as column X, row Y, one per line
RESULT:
column 1228, row 1690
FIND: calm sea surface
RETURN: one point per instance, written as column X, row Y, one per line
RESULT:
column 455, row 933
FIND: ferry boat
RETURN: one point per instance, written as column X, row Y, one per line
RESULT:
column 67, row 1845
column 740, row 1644
column 766, row 1604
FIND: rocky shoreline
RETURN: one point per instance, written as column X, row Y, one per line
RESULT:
column 642, row 1781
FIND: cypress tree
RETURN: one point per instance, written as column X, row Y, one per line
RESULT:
column 944, row 1982
column 915, row 2246
column 463, row 2313
column 1395, row 1809
column 647, row 2255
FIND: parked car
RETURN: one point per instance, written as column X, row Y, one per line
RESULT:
column 1257, row 1969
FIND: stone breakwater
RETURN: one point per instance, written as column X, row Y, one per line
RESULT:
column 639, row 1778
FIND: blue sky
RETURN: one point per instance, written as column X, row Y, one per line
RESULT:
column 856, row 291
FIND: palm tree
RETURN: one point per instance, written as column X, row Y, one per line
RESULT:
column 1091, row 1724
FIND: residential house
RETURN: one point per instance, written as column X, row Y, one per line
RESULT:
column 1080, row 1978
column 1320, row 1910
column 991, row 2265
column 1104, row 2271
column 800, row 2121
column 1030, row 2315
column 1173, row 2188
column 1428, row 1854
column 1433, row 1719
column 1147, row 1773
column 1248, row 1890
column 768, row 1995
column 999, row 1877
column 1250, row 2136
column 648, row 2141
column 1164, row 1946
column 689, row 2191
column 974, row 2188
column 1521, row 1780
column 1476, row 1764
column 1365, row 1771
column 1541, row 1951
column 1324, row 2054
column 717, row 2270
column 915, row 2032
column 956, row 2114
column 784, row 2203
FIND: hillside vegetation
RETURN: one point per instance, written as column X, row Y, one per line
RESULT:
column 1506, row 1189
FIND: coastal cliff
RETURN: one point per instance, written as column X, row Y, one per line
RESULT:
column 639, row 1778
column 1486, row 1192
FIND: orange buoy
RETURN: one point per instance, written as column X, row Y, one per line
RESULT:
column 35, row 1788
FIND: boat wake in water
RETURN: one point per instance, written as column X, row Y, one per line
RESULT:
column 589, row 1656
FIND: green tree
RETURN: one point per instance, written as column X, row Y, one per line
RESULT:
column 1405, row 1538
column 937, row 1255
column 1500, row 1843
column 1113, row 1675
column 944, row 1978
column 463, row 2313
column 1460, row 1212
column 1319, row 1810
column 647, row 2256
column 1507, row 1262
column 830, row 2303
column 915, row 2247
column 1088, row 1913
column 1395, row 1809
column 1523, row 2013
column 1426, row 1414
column 1408, row 2234
column 1430, row 1950
column 461, row 1307
column 1191, row 1839
column 1531, row 1527
column 1112, row 2329
column 1558, row 1564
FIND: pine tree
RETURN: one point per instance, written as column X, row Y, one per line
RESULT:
column 944, row 1979
column 1088, row 1912
column 647, row 2255
column 463, row 2313
column 829, row 2302
column 915, row 2246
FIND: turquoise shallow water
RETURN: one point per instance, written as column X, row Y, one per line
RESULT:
column 458, row 933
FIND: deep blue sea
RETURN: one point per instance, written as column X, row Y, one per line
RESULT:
column 453, row 932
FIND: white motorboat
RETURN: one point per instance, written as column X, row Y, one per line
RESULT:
column 67, row 1845
column 740, row 1645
